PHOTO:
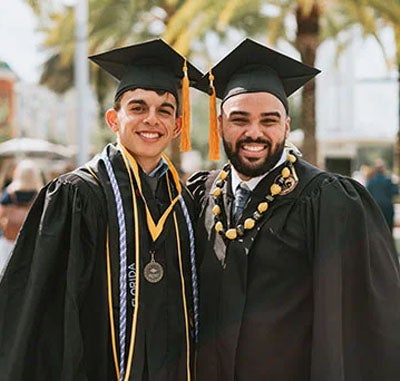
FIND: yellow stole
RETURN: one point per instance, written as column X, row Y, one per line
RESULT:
column 154, row 229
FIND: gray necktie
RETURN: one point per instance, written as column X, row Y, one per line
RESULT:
column 241, row 196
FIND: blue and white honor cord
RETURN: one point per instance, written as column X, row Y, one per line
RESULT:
column 122, row 267
column 193, row 271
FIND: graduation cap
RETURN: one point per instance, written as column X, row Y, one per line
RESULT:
column 249, row 68
column 152, row 65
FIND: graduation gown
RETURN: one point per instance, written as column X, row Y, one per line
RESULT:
column 54, row 313
column 312, row 292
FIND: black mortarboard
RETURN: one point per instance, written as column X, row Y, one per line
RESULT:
column 249, row 68
column 252, row 67
column 151, row 65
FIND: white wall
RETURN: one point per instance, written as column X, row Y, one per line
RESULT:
column 358, row 98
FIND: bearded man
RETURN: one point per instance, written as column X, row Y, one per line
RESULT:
column 299, row 277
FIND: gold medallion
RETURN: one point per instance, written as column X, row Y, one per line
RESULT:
column 289, row 184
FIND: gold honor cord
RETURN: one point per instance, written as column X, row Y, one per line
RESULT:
column 137, row 283
column 155, row 230
column 178, row 244
column 137, row 266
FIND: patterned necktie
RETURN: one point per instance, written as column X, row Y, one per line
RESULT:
column 241, row 196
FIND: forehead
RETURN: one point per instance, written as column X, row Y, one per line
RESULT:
column 258, row 102
column 149, row 96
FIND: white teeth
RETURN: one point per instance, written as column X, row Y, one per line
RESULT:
column 150, row 135
column 253, row 148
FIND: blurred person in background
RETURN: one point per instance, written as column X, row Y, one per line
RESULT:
column 15, row 203
column 383, row 190
column 362, row 174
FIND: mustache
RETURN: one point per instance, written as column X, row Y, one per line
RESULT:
column 258, row 141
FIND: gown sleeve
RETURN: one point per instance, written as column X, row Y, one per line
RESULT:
column 44, row 284
column 197, row 185
column 356, row 326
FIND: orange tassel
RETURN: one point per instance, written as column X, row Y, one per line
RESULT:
column 213, row 136
column 185, row 134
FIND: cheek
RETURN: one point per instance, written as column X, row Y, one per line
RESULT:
column 129, row 123
column 278, row 133
column 230, row 133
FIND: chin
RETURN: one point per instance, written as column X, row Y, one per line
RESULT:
column 253, row 167
column 256, row 167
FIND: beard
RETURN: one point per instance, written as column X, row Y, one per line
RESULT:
column 246, row 167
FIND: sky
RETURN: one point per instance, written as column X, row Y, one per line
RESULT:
column 18, row 40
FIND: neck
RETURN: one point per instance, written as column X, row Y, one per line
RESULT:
column 148, row 165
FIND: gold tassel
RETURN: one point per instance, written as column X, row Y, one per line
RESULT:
column 185, row 134
column 213, row 136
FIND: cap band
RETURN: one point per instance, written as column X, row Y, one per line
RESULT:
column 253, row 79
column 149, row 78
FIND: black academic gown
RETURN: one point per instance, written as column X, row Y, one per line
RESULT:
column 54, row 316
column 311, row 293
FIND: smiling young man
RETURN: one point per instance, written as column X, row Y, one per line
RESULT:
column 100, row 284
column 145, row 122
column 299, row 277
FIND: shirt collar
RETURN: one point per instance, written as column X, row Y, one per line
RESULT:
column 160, row 170
column 253, row 182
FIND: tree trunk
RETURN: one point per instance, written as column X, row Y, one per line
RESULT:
column 307, row 41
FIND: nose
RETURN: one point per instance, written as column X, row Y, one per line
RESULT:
column 253, row 131
column 151, row 118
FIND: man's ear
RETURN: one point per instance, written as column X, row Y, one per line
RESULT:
column 178, row 126
column 287, row 127
column 111, row 117
column 220, row 124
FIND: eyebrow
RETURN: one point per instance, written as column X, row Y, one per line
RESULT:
column 272, row 113
column 144, row 103
column 264, row 114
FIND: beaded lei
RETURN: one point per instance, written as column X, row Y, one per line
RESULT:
column 284, row 183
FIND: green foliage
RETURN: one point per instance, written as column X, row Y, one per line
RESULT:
column 116, row 23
